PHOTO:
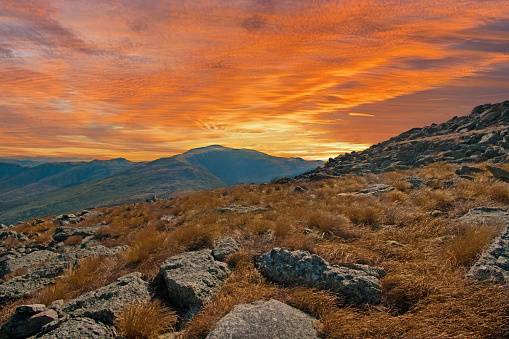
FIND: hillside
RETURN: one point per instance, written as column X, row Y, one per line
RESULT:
column 32, row 181
column 235, row 166
column 482, row 135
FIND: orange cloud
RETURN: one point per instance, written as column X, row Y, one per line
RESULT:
column 148, row 79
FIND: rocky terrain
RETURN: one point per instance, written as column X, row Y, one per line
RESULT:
column 416, row 251
column 483, row 135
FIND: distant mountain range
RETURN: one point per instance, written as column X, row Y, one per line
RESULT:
column 55, row 188
column 36, row 161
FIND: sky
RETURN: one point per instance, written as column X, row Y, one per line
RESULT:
column 144, row 79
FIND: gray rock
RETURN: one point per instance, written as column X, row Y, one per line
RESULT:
column 359, row 286
column 499, row 173
column 300, row 189
column 467, row 170
column 224, row 247
column 44, row 275
column 270, row 319
column 25, row 325
column 414, row 182
column 167, row 217
column 13, row 234
column 486, row 214
column 102, row 303
column 29, row 260
column 79, row 328
column 3, row 227
column 192, row 278
column 239, row 209
column 63, row 232
column 30, row 309
column 377, row 189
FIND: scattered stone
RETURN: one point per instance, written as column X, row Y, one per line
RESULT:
column 79, row 328
column 499, row 173
column 300, row 189
column 13, row 234
column 63, row 232
column 14, row 263
column 56, row 304
column 224, row 247
column 265, row 319
column 239, row 209
column 102, row 303
column 22, row 325
column 301, row 267
column 153, row 199
column 167, row 217
column 376, row 190
column 467, row 170
column 44, row 275
column 30, row 309
column 3, row 227
column 192, row 278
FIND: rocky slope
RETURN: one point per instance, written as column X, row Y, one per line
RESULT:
column 483, row 135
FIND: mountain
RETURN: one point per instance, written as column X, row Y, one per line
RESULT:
column 35, row 161
column 18, row 182
column 483, row 135
column 235, row 166
column 160, row 177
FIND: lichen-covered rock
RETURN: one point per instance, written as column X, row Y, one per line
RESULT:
column 25, row 324
column 224, row 247
column 79, row 328
column 102, row 303
column 192, row 278
column 270, row 319
column 359, row 286
column 13, row 263
column 44, row 275
column 486, row 214
column 64, row 232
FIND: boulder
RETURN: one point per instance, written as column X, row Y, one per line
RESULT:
column 269, row 319
column 499, row 173
column 224, row 247
column 358, row 286
column 44, row 275
column 12, row 263
column 192, row 278
column 376, row 190
column 63, row 232
column 467, row 170
column 102, row 303
column 22, row 325
column 79, row 328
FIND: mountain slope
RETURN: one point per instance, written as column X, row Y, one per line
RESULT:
column 483, row 135
column 160, row 177
column 8, row 170
column 32, row 181
column 235, row 166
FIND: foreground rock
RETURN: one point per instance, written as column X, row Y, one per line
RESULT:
column 13, row 260
column 192, row 278
column 79, row 328
column 102, row 303
column 28, row 320
column 493, row 265
column 224, row 247
column 270, row 319
column 44, row 275
column 358, row 286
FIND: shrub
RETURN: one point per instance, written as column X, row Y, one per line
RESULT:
column 145, row 320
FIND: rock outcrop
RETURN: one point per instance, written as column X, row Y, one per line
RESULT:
column 44, row 275
column 192, row 278
column 480, row 136
column 358, row 286
column 13, row 260
column 493, row 265
column 102, row 303
column 270, row 319
column 62, row 233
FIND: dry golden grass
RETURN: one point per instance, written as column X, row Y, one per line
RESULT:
column 439, row 170
column 499, row 191
column 466, row 246
column 145, row 320
column 147, row 241
column 73, row 240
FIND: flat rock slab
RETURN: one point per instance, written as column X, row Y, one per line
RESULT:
column 493, row 265
column 270, row 319
column 240, row 209
column 13, row 263
column 376, row 190
column 358, row 286
column 44, row 275
column 192, row 278
column 64, row 232
column 79, row 328
column 102, row 303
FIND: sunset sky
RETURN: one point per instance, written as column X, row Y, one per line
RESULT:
column 145, row 79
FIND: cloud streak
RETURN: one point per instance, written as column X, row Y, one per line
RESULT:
column 143, row 80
